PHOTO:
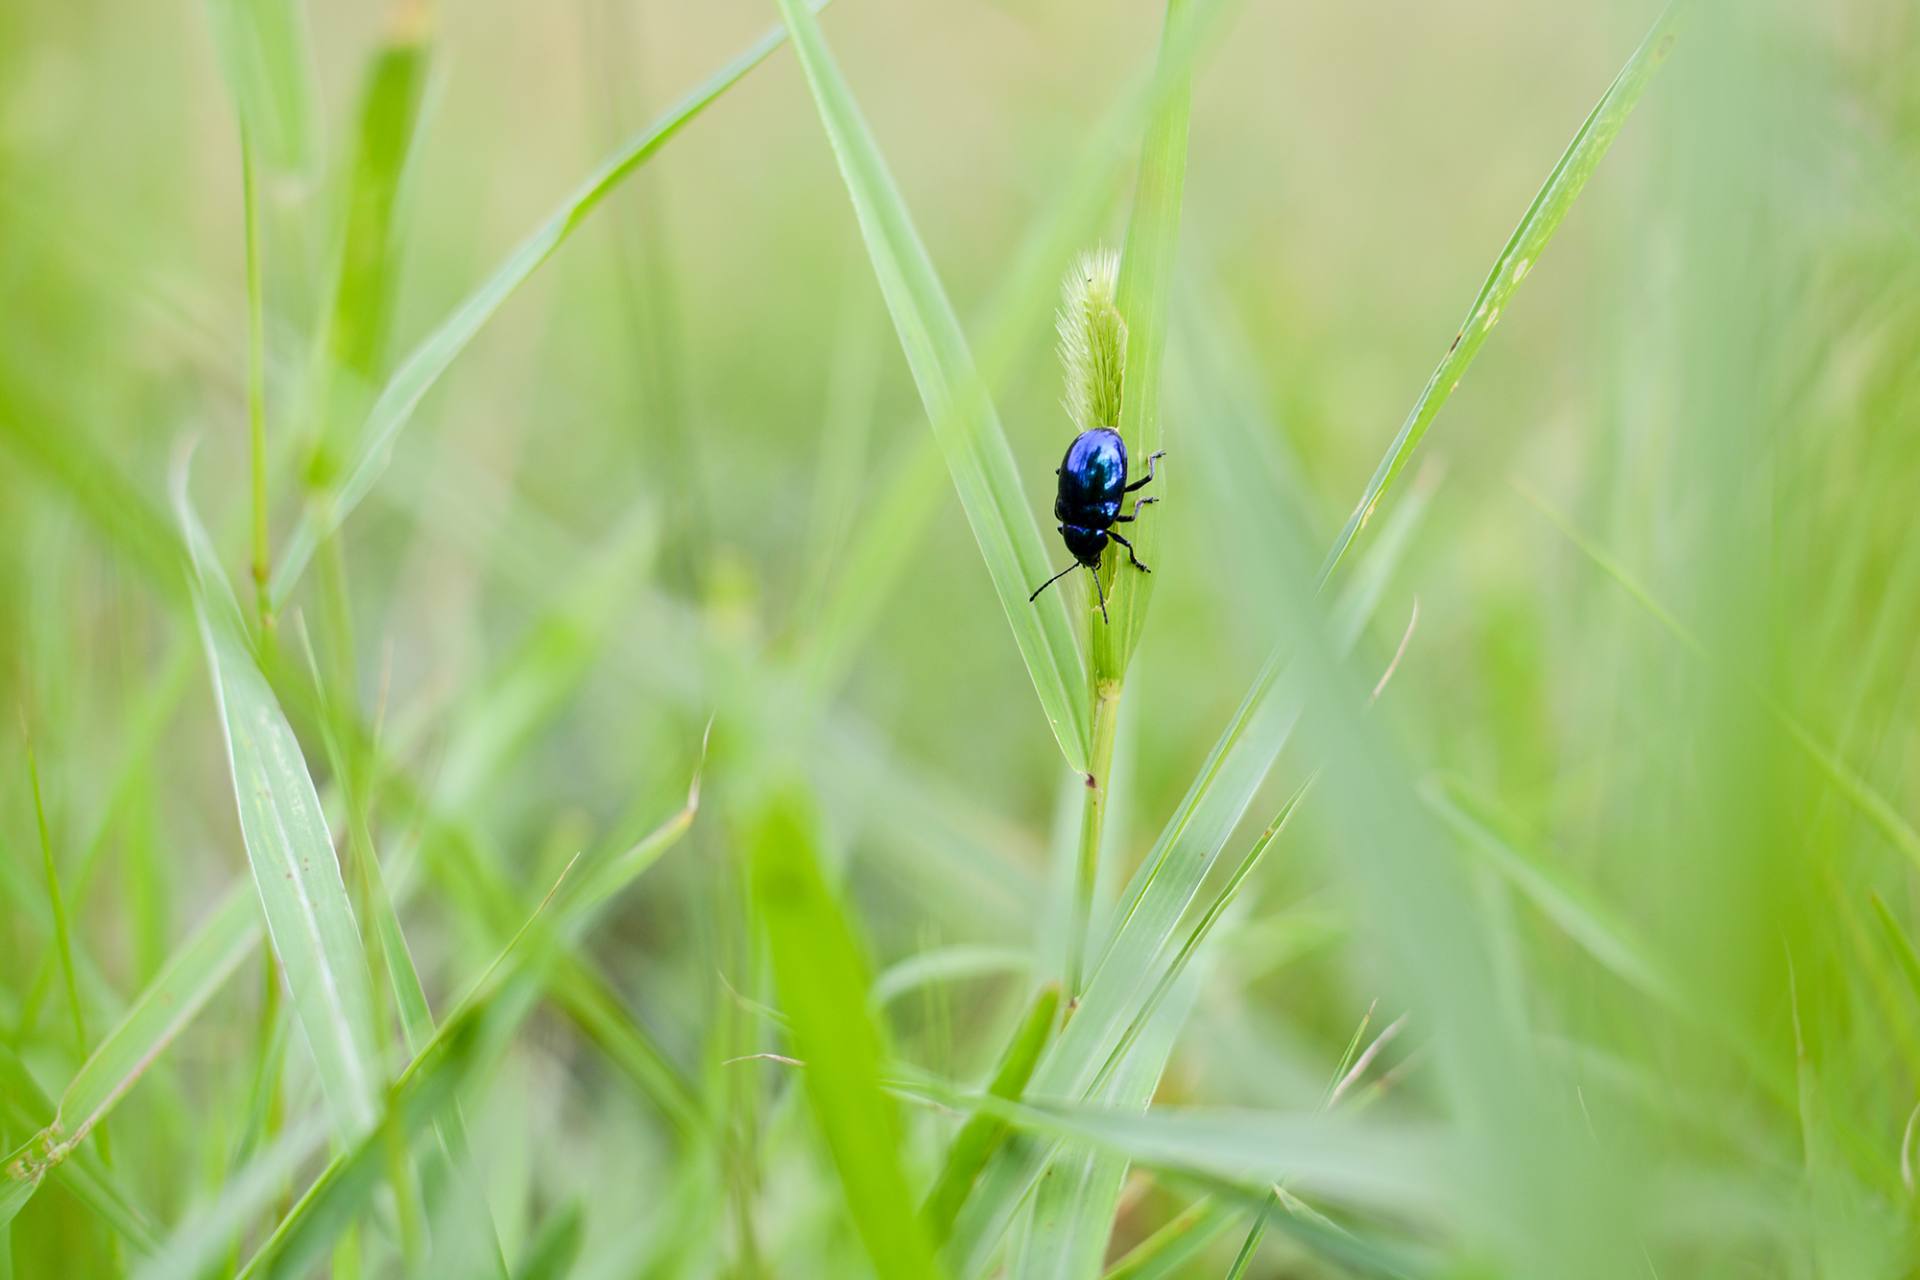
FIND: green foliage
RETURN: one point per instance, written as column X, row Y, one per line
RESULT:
column 418, row 373
column 1593, row 809
column 266, row 54
column 309, row 920
column 970, row 1149
column 957, row 404
column 1144, row 297
column 822, row 981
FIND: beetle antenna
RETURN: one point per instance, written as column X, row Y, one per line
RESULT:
column 1050, row 581
column 1099, row 590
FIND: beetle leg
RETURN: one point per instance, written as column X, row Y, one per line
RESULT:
column 1151, row 459
column 1137, row 504
column 1131, row 558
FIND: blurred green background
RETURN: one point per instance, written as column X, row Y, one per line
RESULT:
column 1640, row 790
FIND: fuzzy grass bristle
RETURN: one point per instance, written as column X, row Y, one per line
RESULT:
column 1093, row 340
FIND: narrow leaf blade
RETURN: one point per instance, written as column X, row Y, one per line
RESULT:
column 1522, row 251
column 309, row 918
column 422, row 369
column 956, row 400
column 822, row 979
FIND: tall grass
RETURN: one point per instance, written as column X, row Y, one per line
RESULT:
column 1491, row 854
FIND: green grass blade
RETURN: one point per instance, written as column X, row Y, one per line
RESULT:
column 947, row 964
column 267, row 57
column 1203, row 928
column 1146, row 286
column 19, row 1187
column 1174, row 1246
column 474, row 1250
column 1901, row 945
column 552, row 1253
column 1158, row 896
column 328, row 1208
column 822, row 980
column 596, row 1009
column 353, row 334
column 181, row 989
column 425, row 1091
column 492, row 1008
column 602, row 882
column 56, row 902
column 1240, row 1154
column 1074, row 1209
column 581, row 992
column 384, row 142
column 309, row 918
column 1522, row 251
column 905, row 503
column 1399, row 1167
column 975, row 1143
column 395, row 406
column 1168, row 879
column 956, row 401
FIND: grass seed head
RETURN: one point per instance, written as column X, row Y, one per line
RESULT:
column 1093, row 340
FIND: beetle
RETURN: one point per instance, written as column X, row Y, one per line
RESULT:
column 1093, row 480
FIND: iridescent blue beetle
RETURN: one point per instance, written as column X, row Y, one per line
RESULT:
column 1093, row 476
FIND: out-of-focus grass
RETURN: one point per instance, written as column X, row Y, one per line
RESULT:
column 1590, row 772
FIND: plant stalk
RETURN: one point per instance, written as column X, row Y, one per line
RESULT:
column 256, row 379
column 1105, row 720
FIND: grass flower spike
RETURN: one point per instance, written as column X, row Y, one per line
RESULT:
column 1093, row 340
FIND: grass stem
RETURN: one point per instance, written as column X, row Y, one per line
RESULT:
column 62, row 929
column 256, row 378
column 1105, row 720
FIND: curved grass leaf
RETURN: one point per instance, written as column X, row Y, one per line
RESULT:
column 417, row 375
column 309, row 918
column 1522, row 251
column 197, row 970
column 958, row 406
column 177, row 993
